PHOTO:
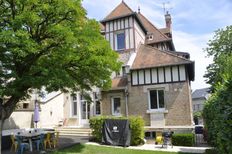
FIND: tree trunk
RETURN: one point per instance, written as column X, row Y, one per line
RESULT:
column 6, row 110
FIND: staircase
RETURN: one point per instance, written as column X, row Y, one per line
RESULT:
column 74, row 131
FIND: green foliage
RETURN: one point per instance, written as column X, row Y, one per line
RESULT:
column 137, row 130
column 217, row 112
column 183, row 139
column 136, row 125
column 220, row 48
column 218, row 117
column 51, row 44
column 197, row 114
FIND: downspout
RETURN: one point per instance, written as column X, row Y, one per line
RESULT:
column 126, row 97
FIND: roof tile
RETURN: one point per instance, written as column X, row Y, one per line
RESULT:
column 121, row 10
column 148, row 57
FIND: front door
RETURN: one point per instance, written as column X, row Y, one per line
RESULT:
column 85, row 113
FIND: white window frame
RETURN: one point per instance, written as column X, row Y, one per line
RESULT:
column 116, row 40
column 149, row 100
column 112, row 106
column 72, row 106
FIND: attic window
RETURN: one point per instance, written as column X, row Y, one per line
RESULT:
column 150, row 37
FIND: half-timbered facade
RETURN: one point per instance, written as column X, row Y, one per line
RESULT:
column 154, row 81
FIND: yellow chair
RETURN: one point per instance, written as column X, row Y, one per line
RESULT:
column 159, row 138
column 14, row 143
column 55, row 140
column 47, row 141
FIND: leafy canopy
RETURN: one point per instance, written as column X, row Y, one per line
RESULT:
column 51, row 43
column 217, row 112
column 220, row 48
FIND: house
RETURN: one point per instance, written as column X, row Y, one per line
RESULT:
column 154, row 81
column 199, row 96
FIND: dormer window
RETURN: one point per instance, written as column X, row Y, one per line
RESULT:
column 120, row 38
column 150, row 37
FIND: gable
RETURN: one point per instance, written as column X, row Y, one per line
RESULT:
column 158, row 35
column 120, row 11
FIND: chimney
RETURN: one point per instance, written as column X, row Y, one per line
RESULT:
column 168, row 20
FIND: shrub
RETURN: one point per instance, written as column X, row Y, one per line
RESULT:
column 136, row 125
column 137, row 130
column 183, row 139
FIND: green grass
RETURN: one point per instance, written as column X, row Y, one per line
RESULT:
column 92, row 149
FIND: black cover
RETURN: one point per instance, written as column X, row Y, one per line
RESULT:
column 116, row 132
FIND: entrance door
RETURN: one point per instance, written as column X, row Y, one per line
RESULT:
column 85, row 112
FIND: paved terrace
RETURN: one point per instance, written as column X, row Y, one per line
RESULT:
column 68, row 141
column 64, row 142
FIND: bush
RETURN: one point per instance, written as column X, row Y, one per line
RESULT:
column 217, row 115
column 136, row 125
column 183, row 139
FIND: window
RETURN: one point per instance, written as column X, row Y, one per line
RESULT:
column 74, row 105
column 25, row 105
column 156, row 99
column 123, row 71
column 120, row 41
column 97, row 104
column 98, row 107
column 116, row 106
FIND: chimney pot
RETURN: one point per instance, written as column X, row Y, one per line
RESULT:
column 168, row 20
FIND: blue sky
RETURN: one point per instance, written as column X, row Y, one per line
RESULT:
column 193, row 23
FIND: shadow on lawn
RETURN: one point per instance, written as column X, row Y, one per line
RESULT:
column 75, row 148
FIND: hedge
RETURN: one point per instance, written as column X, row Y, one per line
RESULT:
column 217, row 115
column 136, row 125
column 183, row 139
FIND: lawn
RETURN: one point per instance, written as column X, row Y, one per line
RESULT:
column 92, row 149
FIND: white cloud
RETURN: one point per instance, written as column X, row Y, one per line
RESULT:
column 194, row 45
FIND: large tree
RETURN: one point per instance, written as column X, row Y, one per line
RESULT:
column 52, row 44
column 217, row 112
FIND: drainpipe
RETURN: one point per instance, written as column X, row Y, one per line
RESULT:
column 126, row 97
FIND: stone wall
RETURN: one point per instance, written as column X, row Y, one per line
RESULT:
column 177, row 98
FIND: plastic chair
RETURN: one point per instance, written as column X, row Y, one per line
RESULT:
column 55, row 140
column 159, row 138
column 47, row 141
column 21, row 145
column 14, row 143
column 39, row 142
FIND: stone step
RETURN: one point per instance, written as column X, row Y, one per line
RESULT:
column 80, row 135
column 71, row 131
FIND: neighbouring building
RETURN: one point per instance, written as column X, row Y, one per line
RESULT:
column 199, row 96
column 154, row 81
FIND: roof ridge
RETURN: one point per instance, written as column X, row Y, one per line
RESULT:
column 117, row 8
column 153, row 25
column 127, row 6
column 167, row 52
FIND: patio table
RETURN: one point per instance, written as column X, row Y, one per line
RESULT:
column 32, row 134
column 29, row 136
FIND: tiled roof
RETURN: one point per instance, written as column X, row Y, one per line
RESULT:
column 121, row 10
column 165, row 30
column 119, row 83
column 201, row 93
column 148, row 57
column 158, row 36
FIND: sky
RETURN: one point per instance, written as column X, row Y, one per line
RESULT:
column 193, row 24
